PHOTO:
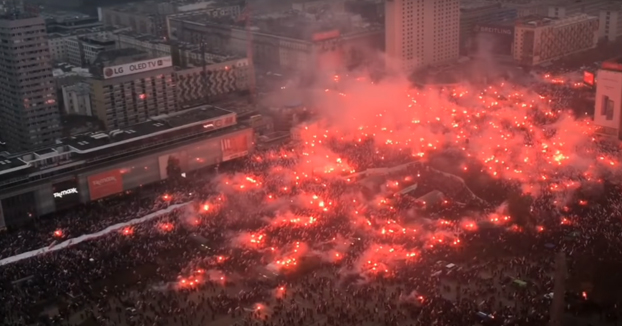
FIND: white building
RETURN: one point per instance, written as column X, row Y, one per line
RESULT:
column 610, row 27
column 70, row 47
column 420, row 33
column 77, row 99
column 608, row 110
column 58, row 50
column 540, row 40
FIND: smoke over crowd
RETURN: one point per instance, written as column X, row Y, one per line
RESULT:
column 386, row 181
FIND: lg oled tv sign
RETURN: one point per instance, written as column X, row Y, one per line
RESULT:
column 136, row 67
column 105, row 184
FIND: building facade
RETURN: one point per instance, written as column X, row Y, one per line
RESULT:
column 539, row 40
column 572, row 8
column 197, row 85
column 610, row 27
column 608, row 110
column 91, row 167
column 77, row 99
column 29, row 116
column 131, row 90
column 477, row 14
column 421, row 33
column 287, row 42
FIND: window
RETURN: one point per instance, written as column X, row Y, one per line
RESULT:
column 607, row 107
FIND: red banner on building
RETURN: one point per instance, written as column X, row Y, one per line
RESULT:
column 105, row 184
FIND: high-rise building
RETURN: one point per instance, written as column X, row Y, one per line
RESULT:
column 29, row 116
column 420, row 33
column 129, row 86
column 608, row 110
column 610, row 27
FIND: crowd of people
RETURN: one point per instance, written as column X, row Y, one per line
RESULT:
column 267, row 241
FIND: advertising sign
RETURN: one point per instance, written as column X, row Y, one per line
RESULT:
column 136, row 67
column 234, row 147
column 495, row 30
column 105, row 184
column 66, row 194
column 322, row 36
column 588, row 78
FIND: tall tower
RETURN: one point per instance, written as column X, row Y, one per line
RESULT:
column 559, row 290
column 29, row 115
column 421, row 33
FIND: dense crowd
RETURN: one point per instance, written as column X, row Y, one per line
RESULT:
column 267, row 241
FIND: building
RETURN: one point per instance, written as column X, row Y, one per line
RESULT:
column 204, row 84
column 421, row 33
column 82, row 50
column 68, row 22
column 99, row 165
column 155, row 46
column 493, row 40
column 610, row 27
column 540, row 40
column 473, row 14
column 77, row 99
column 525, row 8
column 129, row 87
column 285, row 41
column 608, row 110
column 200, row 76
column 150, row 17
column 564, row 8
column 11, row 6
column 72, row 47
column 29, row 116
column 606, row 10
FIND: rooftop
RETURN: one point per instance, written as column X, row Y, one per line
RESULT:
column 120, row 56
column 467, row 6
column 614, row 64
column 156, row 125
column 212, row 55
column 292, row 23
column 65, row 16
column 7, row 164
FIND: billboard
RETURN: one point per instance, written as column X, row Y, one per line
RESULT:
column 494, row 39
column 136, row 67
column 323, row 36
column 66, row 194
column 501, row 30
column 105, row 184
column 588, row 78
column 234, row 147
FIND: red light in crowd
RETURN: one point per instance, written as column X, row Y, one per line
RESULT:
column 58, row 233
column 142, row 96
column 127, row 231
